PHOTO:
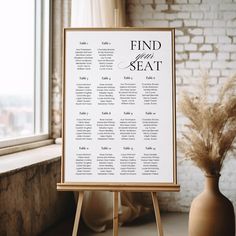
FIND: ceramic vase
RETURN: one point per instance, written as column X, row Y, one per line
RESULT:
column 211, row 213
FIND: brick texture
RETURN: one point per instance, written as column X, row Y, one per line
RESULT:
column 205, row 41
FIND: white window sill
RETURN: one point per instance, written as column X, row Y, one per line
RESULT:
column 14, row 162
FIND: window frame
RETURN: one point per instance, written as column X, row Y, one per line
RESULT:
column 42, row 59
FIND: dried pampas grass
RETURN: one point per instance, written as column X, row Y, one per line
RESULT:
column 211, row 131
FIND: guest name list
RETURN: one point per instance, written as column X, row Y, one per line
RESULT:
column 118, row 106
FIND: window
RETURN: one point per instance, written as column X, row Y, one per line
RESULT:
column 24, row 71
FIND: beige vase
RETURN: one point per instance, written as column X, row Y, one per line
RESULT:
column 211, row 213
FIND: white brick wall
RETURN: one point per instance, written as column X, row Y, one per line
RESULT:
column 205, row 39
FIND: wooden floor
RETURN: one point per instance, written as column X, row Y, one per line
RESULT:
column 175, row 224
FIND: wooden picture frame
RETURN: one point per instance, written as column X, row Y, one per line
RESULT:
column 95, row 33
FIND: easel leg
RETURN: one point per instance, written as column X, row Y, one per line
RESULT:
column 157, row 213
column 78, row 212
column 115, row 213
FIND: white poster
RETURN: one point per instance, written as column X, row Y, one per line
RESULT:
column 119, row 106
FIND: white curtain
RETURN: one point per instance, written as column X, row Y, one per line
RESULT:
column 97, row 13
column 97, row 209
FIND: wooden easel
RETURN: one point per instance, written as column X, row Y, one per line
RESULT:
column 116, row 193
column 69, row 184
column 116, row 213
